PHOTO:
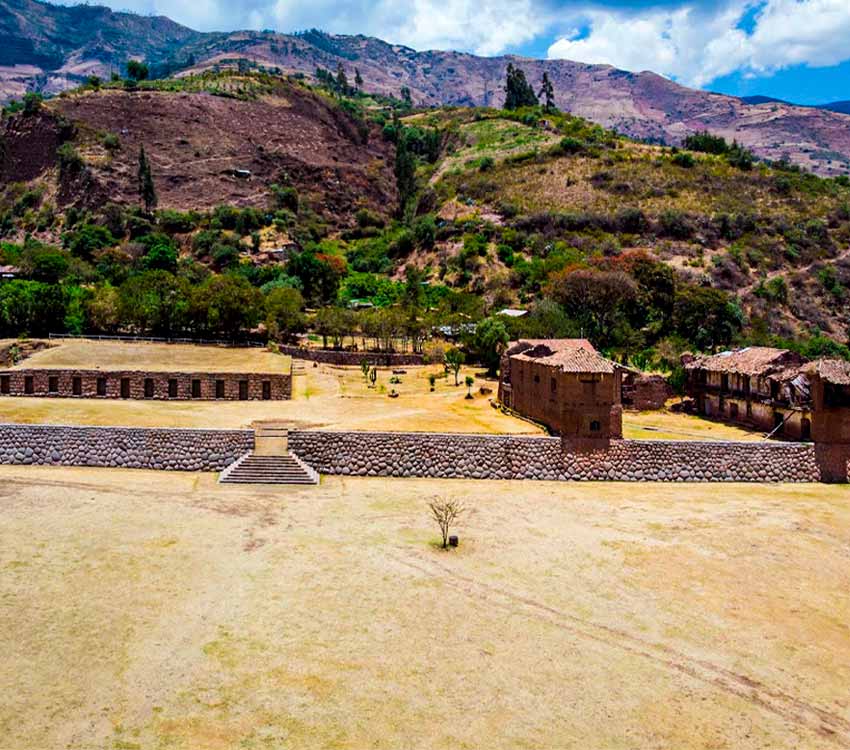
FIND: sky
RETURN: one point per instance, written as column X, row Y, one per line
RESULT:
column 798, row 50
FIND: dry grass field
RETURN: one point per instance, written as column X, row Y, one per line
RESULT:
column 152, row 610
column 332, row 397
column 84, row 354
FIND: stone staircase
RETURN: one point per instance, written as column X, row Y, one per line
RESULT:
column 280, row 469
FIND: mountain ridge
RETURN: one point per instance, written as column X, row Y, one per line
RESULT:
column 92, row 40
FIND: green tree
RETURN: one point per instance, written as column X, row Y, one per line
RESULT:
column 706, row 317
column 358, row 79
column 154, row 302
column 147, row 189
column 333, row 323
column 547, row 93
column 454, row 361
column 136, row 70
column 405, row 172
column 318, row 274
column 518, row 91
column 489, row 343
column 227, row 306
column 85, row 239
column 341, row 80
column 470, row 381
column 284, row 316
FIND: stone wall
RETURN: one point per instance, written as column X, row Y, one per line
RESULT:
column 175, row 386
column 509, row 457
column 645, row 392
column 124, row 447
column 353, row 359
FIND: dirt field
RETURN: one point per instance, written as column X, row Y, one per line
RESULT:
column 118, row 355
column 323, row 396
column 150, row 610
column 332, row 397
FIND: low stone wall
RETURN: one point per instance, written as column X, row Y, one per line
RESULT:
column 159, row 386
column 123, row 447
column 506, row 457
column 353, row 359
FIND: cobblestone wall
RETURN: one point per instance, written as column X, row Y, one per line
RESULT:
column 506, row 457
column 174, row 386
column 353, row 359
column 123, row 447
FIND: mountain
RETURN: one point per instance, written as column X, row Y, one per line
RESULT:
column 840, row 107
column 53, row 48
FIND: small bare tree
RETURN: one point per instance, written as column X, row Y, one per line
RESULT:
column 445, row 512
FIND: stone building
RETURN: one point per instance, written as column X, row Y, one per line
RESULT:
column 564, row 384
column 759, row 387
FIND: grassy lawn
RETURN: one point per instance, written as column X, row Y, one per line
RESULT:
column 154, row 610
column 118, row 355
column 665, row 425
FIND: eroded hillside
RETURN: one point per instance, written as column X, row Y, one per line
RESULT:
column 205, row 150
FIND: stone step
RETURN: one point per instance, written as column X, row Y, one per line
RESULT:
column 259, row 469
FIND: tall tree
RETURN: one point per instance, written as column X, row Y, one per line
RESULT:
column 547, row 93
column 341, row 80
column 358, row 79
column 518, row 91
column 147, row 190
column 405, row 172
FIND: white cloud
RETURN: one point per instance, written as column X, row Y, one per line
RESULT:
column 697, row 45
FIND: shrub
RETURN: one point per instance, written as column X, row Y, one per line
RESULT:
column 570, row 145
column 425, row 231
column 684, row 160
column 111, row 142
column 631, row 221
column 284, row 198
column 69, row 160
column 486, row 163
column 676, row 224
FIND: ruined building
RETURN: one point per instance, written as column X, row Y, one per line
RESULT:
column 564, row 384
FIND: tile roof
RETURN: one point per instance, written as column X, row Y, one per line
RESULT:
column 835, row 371
column 569, row 355
column 753, row 360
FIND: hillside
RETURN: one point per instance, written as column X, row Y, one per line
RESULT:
column 55, row 47
column 199, row 139
column 434, row 217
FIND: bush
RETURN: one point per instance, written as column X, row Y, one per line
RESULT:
column 111, row 142
column 69, row 160
column 425, row 231
column 177, row 222
column 676, row 224
column 684, row 160
column 569, row 145
column 486, row 163
column 631, row 221
column 284, row 198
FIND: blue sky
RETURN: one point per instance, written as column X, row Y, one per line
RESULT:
column 797, row 50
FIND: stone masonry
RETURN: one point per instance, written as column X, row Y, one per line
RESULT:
column 123, row 447
column 510, row 457
column 179, row 386
column 343, row 357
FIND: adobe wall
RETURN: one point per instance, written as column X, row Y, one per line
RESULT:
column 280, row 386
column 123, row 447
column 509, row 457
column 569, row 403
column 645, row 392
column 353, row 359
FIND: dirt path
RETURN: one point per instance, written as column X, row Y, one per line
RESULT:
column 787, row 707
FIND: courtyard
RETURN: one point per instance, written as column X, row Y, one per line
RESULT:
column 154, row 610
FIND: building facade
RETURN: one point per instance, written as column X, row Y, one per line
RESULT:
column 564, row 384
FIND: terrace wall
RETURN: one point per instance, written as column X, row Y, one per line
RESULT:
column 353, row 359
column 14, row 383
column 123, row 447
column 509, row 457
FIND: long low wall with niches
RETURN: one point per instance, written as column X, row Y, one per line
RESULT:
column 449, row 456
column 175, row 386
column 123, row 447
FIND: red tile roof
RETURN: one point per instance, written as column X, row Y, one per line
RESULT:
column 753, row 360
column 568, row 355
column 835, row 371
